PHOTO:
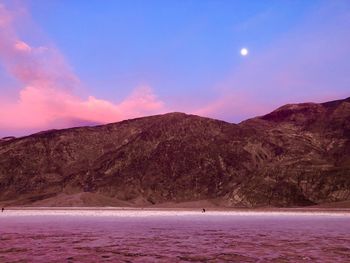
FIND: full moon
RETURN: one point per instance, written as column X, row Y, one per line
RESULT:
column 244, row 51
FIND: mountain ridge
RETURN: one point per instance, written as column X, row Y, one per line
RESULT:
column 296, row 155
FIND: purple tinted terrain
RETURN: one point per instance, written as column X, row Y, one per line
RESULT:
column 297, row 155
column 151, row 236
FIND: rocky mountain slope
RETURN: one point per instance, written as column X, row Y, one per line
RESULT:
column 297, row 155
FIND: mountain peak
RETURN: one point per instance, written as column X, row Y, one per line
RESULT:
column 297, row 155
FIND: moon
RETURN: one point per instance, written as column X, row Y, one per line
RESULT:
column 244, row 51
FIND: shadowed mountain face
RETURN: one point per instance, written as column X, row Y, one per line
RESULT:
column 295, row 156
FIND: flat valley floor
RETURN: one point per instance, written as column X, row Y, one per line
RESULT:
column 120, row 235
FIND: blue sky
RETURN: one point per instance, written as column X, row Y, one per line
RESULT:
column 178, row 47
column 184, row 53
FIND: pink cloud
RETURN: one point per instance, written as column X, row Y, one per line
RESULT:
column 234, row 106
column 304, row 64
column 47, row 99
column 41, row 108
column 23, row 47
column 5, row 17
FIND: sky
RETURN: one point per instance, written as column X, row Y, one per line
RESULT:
column 71, row 63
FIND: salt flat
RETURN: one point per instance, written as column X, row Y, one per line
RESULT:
column 154, row 212
column 136, row 235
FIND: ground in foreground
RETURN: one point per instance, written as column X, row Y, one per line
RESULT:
column 173, row 236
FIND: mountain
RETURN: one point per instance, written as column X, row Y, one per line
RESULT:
column 297, row 155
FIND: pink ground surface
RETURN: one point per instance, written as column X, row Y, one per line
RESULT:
column 173, row 236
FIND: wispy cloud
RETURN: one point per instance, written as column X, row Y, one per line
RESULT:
column 47, row 99
column 304, row 64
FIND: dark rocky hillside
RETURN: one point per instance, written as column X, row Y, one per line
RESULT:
column 297, row 155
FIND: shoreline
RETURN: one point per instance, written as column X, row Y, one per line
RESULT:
column 184, row 211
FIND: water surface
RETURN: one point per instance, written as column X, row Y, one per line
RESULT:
column 173, row 236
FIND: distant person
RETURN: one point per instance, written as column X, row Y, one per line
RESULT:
column 2, row 209
column 203, row 210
